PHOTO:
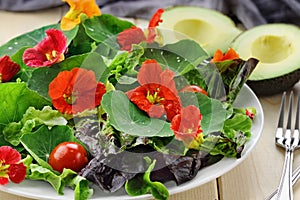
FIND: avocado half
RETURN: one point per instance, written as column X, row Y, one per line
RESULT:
column 211, row 29
column 277, row 47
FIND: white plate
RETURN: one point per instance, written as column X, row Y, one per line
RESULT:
column 246, row 98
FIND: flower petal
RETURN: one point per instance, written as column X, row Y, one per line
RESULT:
column 78, row 7
column 17, row 172
column 8, row 155
column 75, row 91
column 128, row 37
column 3, row 181
column 47, row 52
column 8, row 68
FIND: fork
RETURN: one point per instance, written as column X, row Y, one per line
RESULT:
column 290, row 142
column 295, row 177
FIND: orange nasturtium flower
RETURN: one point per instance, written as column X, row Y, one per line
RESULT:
column 8, row 69
column 157, row 94
column 75, row 91
column 78, row 7
column 11, row 167
column 186, row 126
column 229, row 55
column 135, row 35
column 47, row 52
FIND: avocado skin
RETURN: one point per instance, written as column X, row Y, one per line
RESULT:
column 276, row 85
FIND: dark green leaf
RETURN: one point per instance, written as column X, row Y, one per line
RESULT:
column 15, row 99
column 105, row 26
column 30, row 39
column 127, row 118
column 41, row 142
column 180, row 57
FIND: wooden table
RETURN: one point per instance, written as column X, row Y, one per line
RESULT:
column 254, row 178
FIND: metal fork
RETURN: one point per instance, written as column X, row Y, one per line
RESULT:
column 289, row 139
column 295, row 177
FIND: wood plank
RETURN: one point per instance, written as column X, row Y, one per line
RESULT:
column 208, row 191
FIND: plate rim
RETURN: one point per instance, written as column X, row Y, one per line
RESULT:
column 15, row 188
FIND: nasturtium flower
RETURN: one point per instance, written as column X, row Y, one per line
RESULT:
column 229, row 55
column 135, row 35
column 153, row 23
column 11, row 167
column 157, row 94
column 76, row 91
column 78, row 7
column 8, row 69
column 47, row 52
column 187, row 128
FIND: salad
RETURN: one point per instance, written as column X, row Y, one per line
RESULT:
column 95, row 100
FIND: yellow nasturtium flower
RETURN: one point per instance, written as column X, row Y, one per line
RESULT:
column 78, row 7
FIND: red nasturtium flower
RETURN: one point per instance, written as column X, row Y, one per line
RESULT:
column 135, row 35
column 229, row 55
column 78, row 7
column 157, row 94
column 10, row 166
column 47, row 52
column 75, row 91
column 8, row 69
column 186, row 126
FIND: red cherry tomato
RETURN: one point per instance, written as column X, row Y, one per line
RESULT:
column 70, row 155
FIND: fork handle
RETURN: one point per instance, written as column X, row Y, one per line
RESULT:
column 296, row 176
column 285, row 190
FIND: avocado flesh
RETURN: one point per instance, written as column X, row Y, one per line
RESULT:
column 277, row 46
column 211, row 29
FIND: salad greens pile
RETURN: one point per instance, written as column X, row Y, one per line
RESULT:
column 127, row 148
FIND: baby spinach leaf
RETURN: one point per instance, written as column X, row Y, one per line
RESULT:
column 126, row 117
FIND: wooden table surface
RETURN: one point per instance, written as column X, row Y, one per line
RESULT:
column 256, row 177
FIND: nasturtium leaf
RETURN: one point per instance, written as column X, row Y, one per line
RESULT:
column 40, row 80
column 181, row 56
column 41, row 142
column 25, row 71
column 31, row 38
column 105, row 26
column 127, row 118
column 15, row 99
column 212, row 110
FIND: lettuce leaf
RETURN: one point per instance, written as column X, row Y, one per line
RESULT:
column 32, row 119
column 67, row 178
column 15, row 99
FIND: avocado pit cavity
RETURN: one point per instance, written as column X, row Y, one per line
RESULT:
column 272, row 49
column 196, row 29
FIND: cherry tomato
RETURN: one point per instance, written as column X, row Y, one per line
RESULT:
column 194, row 88
column 70, row 155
